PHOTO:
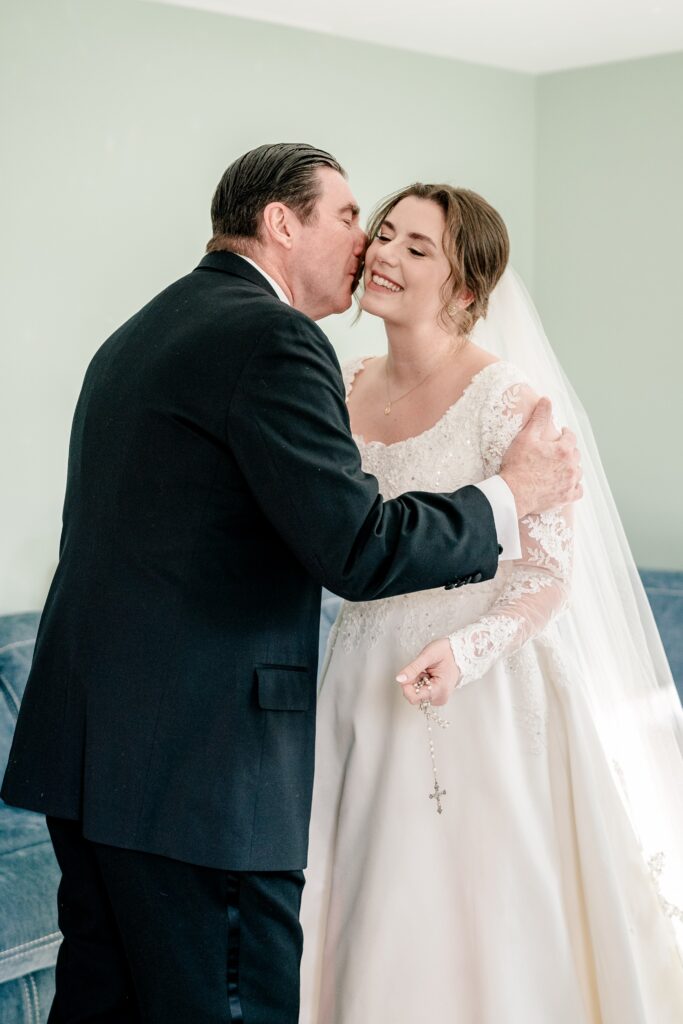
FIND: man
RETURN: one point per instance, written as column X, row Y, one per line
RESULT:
column 213, row 486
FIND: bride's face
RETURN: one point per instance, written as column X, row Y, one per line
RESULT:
column 406, row 266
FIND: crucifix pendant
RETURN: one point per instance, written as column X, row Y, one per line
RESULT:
column 387, row 408
column 436, row 795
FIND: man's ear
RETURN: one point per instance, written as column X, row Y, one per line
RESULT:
column 279, row 224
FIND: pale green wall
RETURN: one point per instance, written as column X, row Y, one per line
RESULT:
column 119, row 118
column 609, row 266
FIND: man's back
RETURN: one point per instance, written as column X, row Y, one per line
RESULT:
column 213, row 486
column 172, row 588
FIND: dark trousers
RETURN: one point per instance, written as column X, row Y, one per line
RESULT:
column 150, row 939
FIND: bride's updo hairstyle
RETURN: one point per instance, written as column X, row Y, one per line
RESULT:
column 475, row 241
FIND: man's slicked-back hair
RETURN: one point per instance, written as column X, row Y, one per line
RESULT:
column 283, row 172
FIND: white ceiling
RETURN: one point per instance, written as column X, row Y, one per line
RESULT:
column 523, row 35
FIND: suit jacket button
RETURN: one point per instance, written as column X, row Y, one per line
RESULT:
column 500, row 549
column 476, row 578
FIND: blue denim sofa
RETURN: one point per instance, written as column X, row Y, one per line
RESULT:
column 29, row 937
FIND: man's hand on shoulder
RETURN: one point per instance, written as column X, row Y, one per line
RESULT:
column 542, row 467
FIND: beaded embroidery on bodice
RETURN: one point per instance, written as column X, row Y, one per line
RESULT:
column 445, row 456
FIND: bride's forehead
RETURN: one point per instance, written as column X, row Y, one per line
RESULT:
column 413, row 214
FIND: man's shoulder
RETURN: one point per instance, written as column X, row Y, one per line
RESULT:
column 283, row 325
column 284, row 314
column 290, row 344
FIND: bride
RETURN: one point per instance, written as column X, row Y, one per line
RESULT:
column 513, row 857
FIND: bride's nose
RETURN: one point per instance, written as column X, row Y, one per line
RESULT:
column 387, row 255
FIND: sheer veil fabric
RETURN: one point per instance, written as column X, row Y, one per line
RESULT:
column 608, row 634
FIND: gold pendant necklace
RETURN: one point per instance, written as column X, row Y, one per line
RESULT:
column 395, row 401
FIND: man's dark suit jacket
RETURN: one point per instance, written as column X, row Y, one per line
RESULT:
column 213, row 487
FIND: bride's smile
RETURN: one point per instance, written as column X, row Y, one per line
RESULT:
column 383, row 283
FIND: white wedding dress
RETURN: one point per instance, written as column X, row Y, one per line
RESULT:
column 528, row 900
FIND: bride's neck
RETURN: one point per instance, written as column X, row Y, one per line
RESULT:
column 416, row 351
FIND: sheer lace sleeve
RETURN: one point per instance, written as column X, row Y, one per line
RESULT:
column 537, row 586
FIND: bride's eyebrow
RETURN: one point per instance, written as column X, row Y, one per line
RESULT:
column 411, row 234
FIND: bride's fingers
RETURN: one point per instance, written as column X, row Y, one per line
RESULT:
column 427, row 663
column 435, row 691
column 412, row 672
column 413, row 693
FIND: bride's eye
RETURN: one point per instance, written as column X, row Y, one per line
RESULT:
column 416, row 252
column 382, row 238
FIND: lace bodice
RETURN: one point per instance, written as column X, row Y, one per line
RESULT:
column 466, row 445
column 442, row 458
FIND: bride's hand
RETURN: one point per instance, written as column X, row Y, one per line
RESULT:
column 436, row 665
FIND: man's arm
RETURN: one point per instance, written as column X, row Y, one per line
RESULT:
column 289, row 430
column 502, row 502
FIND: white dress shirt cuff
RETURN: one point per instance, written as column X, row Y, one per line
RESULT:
column 502, row 502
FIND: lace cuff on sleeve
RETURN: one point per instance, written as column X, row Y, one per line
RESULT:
column 537, row 588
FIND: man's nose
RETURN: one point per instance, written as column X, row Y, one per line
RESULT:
column 362, row 243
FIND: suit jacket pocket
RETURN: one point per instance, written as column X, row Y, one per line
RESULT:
column 283, row 688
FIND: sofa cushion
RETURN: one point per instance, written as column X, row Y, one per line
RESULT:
column 665, row 594
column 17, row 637
column 29, row 875
column 27, row 1000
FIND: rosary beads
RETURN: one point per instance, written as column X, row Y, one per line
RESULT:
column 432, row 717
